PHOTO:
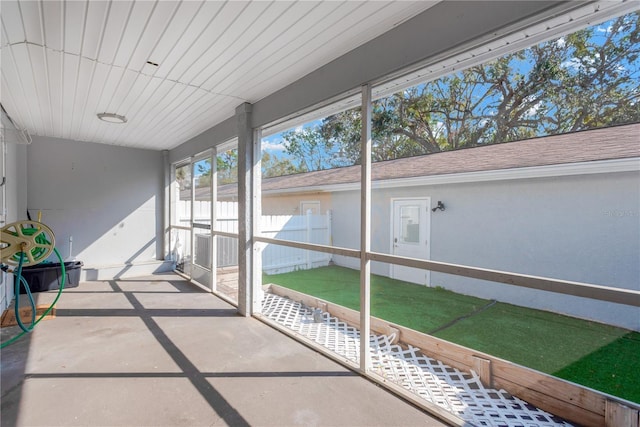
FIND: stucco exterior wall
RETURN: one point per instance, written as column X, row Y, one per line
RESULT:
column 107, row 198
column 290, row 204
column 581, row 228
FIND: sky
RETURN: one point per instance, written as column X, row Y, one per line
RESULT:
column 274, row 144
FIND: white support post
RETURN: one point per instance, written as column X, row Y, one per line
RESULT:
column 213, row 249
column 245, row 209
column 166, row 203
column 307, row 237
column 192, row 236
column 365, row 232
column 256, row 184
column 329, row 240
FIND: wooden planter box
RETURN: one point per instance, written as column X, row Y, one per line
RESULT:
column 573, row 402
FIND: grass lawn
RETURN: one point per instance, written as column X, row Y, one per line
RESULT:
column 599, row 356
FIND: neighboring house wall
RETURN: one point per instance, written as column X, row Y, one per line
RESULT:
column 581, row 228
column 286, row 204
column 108, row 198
column 290, row 204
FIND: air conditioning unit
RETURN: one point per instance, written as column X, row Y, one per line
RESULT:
column 202, row 250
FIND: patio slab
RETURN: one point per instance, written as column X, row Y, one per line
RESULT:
column 160, row 351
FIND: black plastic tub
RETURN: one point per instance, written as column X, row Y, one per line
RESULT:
column 46, row 277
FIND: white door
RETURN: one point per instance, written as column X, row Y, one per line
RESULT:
column 410, row 237
column 313, row 206
column 201, row 213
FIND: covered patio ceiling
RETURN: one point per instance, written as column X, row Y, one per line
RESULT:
column 175, row 69
column 172, row 68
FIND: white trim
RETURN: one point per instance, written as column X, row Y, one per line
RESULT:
column 548, row 171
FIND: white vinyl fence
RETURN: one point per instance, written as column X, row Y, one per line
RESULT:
column 307, row 228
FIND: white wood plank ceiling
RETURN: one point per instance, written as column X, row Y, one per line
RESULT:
column 63, row 62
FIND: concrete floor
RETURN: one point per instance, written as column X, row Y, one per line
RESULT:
column 157, row 351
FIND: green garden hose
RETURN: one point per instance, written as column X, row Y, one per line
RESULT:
column 40, row 239
column 19, row 280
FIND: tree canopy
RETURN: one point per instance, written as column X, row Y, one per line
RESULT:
column 585, row 80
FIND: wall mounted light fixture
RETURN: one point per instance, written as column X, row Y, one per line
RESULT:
column 439, row 206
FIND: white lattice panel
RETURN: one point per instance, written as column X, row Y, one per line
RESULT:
column 460, row 393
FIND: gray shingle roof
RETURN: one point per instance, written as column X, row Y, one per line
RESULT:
column 618, row 142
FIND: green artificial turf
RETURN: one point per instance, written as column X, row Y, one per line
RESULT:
column 595, row 355
column 414, row 306
column 613, row 368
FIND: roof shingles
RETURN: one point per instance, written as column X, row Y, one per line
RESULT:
column 618, row 142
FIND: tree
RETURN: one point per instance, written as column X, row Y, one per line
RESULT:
column 601, row 81
column 343, row 131
column 183, row 177
column 308, row 149
column 203, row 173
column 273, row 166
column 227, row 167
column 588, row 79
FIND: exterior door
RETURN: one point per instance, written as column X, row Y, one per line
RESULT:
column 181, row 219
column 410, row 237
column 201, row 221
column 313, row 206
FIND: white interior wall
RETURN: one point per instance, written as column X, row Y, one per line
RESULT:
column 108, row 199
column 581, row 228
column 16, row 184
column 15, row 198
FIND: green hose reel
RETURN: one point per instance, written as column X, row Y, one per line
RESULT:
column 31, row 238
column 27, row 243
